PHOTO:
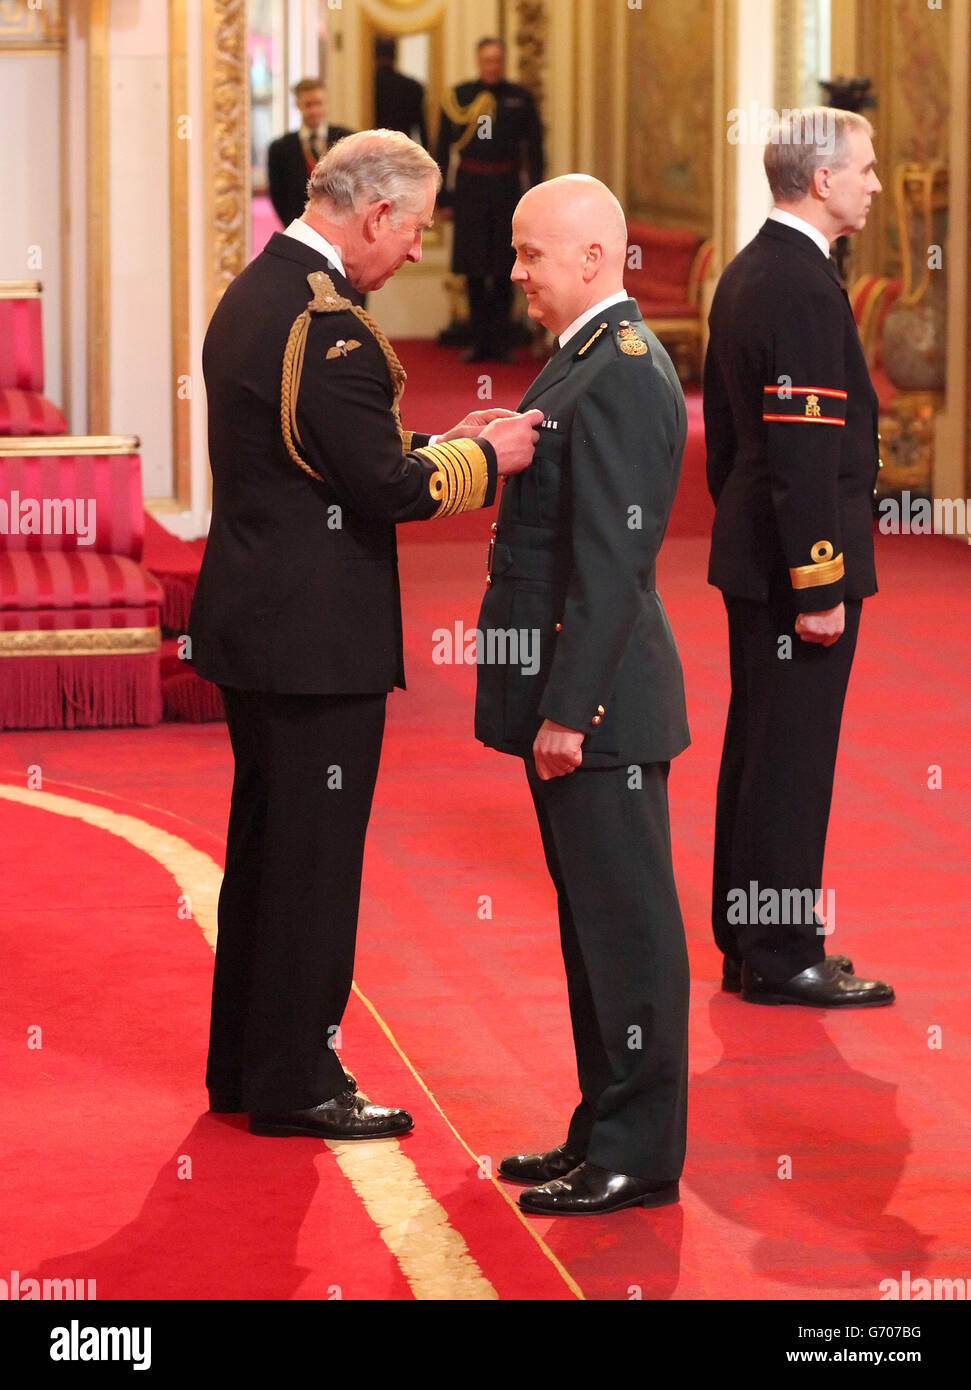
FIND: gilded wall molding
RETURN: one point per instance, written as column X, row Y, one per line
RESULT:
column 227, row 188
column 24, row 26
column 530, row 37
column 179, row 249
column 98, row 226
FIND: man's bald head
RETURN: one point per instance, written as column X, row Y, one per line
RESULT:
column 570, row 237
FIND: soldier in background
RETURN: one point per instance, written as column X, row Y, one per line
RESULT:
column 494, row 127
column 399, row 101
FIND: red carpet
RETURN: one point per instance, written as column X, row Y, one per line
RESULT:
column 104, row 1122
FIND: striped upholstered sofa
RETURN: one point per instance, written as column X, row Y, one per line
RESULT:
column 79, row 614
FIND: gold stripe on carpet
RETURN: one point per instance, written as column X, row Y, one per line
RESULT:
column 431, row 1254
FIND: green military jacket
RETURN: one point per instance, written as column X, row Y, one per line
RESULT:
column 572, row 627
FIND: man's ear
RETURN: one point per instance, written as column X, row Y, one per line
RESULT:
column 374, row 217
column 592, row 261
column 821, row 182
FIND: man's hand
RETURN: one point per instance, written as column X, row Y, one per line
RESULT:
column 475, row 422
column 514, row 440
column 823, row 627
column 557, row 750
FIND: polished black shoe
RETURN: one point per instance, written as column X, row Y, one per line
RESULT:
column 821, row 986
column 538, row 1168
column 347, row 1116
column 231, row 1103
column 732, row 972
column 593, row 1191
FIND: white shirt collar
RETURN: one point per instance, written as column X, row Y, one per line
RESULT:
column 789, row 219
column 302, row 231
column 577, row 324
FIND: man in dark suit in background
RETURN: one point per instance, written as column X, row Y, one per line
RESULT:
column 598, row 712
column 495, row 128
column 791, row 432
column 399, row 101
column 290, row 160
column 297, row 617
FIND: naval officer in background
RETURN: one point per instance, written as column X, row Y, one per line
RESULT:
column 791, row 435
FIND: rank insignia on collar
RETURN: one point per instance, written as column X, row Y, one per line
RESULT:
column 342, row 347
column 629, row 342
column 590, row 341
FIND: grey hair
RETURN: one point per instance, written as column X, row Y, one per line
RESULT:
column 802, row 141
column 369, row 166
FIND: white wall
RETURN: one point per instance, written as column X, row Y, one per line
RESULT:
column 31, row 227
column 140, row 281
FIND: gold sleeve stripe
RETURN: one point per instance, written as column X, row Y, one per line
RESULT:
column 461, row 476
column 809, row 576
column 805, row 419
column 406, row 438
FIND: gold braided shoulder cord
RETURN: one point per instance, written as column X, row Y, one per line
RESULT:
column 460, row 480
column 326, row 300
column 482, row 105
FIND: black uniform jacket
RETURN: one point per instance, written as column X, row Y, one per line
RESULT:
column 298, row 591
column 399, row 104
column 574, row 556
column 496, row 166
column 790, row 428
column 287, row 172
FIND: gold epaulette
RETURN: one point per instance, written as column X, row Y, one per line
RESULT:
column 326, row 300
column 825, row 568
column 461, row 476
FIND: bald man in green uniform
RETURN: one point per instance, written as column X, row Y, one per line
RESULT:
column 598, row 720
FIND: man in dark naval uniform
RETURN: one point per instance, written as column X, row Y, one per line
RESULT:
column 297, row 616
column 290, row 160
column 599, row 717
column 399, row 100
column 495, row 129
column 791, row 432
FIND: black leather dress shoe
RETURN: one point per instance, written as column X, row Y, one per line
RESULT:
column 347, row 1116
column 538, row 1168
column 593, row 1191
column 732, row 972
column 230, row 1103
column 821, row 986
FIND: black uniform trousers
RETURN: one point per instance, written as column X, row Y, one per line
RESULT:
column 490, row 301
column 775, row 785
column 306, row 766
column 608, row 850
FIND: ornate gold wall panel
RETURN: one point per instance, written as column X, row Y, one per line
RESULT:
column 906, row 51
column 179, row 247
column 671, row 80
column 26, row 27
column 227, row 135
column 530, row 35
